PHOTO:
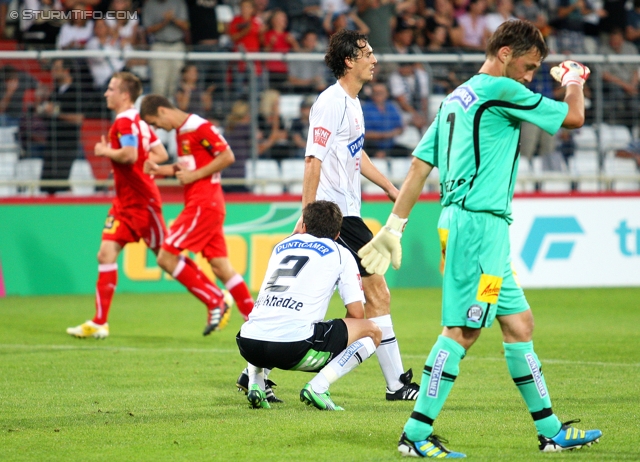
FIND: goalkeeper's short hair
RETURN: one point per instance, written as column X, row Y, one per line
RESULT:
column 322, row 219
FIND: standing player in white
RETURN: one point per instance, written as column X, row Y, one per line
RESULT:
column 286, row 328
column 333, row 164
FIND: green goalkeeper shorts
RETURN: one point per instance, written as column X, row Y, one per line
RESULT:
column 478, row 279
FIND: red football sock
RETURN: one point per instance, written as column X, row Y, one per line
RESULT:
column 196, row 282
column 240, row 293
column 105, row 287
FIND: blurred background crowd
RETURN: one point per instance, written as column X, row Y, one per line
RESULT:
column 54, row 107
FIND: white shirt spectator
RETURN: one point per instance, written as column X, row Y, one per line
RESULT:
column 74, row 36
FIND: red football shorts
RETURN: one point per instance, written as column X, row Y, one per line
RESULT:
column 135, row 224
column 198, row 229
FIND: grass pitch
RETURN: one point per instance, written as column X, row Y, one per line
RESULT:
column 157, row 390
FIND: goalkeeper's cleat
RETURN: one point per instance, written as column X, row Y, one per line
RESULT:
column 569, row 438
column 321, row 401
column 89, row 329
column 217, row 318
column 243, row 385
column 432, row 447
column 409, row 390
column 257, row 398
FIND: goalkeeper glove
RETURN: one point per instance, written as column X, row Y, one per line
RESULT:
column 384, row 247
column 570, row 73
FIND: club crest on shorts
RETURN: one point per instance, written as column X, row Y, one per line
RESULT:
column 474, row 313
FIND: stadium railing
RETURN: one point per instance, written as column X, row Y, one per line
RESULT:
column 612, row 120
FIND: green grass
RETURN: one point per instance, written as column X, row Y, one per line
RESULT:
column 157, row 390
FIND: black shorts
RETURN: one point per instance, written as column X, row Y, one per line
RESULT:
column 354, row 234
column 329, row 338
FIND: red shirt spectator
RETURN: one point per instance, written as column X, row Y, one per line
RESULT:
column 245, row 30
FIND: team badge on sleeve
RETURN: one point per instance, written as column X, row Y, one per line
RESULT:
column 321, row 136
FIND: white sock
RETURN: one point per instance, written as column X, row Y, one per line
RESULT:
column 256, row 375
column 388, row 353
column 343, row 363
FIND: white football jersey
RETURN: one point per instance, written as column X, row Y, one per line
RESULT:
column 302, row 275
column 336, row 137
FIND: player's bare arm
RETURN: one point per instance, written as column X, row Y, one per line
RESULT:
column 123, row 155
column 572, row 75
column 385, row 247
column 152, row 168
column 221, row 161
column 412, row 187
column 574, row 97
column 311, row 179
column 158, row 154
column 371, row 173
column 355, row 310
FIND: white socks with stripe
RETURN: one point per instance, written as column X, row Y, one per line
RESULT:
column 388, row 353
column 343, row 363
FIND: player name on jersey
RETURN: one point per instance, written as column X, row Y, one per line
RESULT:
column 274, row 300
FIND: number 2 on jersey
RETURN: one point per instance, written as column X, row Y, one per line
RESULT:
column 285, row 272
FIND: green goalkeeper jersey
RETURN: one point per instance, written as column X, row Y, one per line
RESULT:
column 475, row 137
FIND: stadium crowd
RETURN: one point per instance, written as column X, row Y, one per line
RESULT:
column 49, row 108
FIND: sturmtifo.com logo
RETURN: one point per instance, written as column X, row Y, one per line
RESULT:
column 48, row 15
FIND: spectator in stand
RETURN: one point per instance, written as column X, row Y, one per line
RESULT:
column 205, row 36
column 443, row 16
column 409, row 15
column 569, row 25
column 245, row 30
column 384, row 123
column 530, row 10
column 64, row 112
column 612, row 15
column 166, row 23
column 307, row 76
column 303, row 14
column 443, row 75
column 40, row 31
column 334, row 22
column 503, row 13
column 237, row 132
column 620, row 82
column 13, row 86
column 474, row 24
column 632, row 151
column 409, row 85
column 404, row 38
column 75, row 34
column 300, row 128
column 103, row 67
column 379, row 16
column 273, row 137
column 632, row 32
column 277, row 39
column 190, row 96
column 127, row 28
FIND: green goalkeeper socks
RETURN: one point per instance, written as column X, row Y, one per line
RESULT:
column 526, row 372
column 440, row 371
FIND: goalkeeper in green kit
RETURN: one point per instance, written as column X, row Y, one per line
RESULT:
column 474, row 142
